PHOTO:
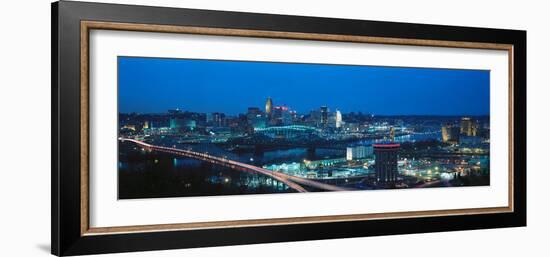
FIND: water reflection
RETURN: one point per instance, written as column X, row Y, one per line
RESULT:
column 150, row 174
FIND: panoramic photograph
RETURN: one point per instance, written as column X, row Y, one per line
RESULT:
column 196, row 127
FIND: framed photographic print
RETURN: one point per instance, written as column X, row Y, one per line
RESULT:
column 177, row 128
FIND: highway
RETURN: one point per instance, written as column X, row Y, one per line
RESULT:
column 293, row 182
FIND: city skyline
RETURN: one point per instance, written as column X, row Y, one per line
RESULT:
column 204, row 86
column 211, row 127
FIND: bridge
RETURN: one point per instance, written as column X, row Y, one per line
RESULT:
column 293, row 182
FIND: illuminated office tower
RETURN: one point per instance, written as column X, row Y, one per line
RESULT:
column 386, row 162
column 465, row 125
column 338, row 119
column 475, row 129
column 218, row 119
column 268, row 107
column 286, row 116
column 450, row 134
column 258, row 122
column 324, row 116
column 276, row 116
column 468, row 127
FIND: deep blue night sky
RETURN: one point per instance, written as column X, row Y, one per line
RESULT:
column 154, row 85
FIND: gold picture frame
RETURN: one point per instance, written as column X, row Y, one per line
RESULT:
column 87, row 26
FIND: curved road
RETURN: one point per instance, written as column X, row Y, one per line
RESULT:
column 291, row 181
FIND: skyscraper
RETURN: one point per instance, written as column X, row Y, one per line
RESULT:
column 268, row 107
column 276, row 116
column 386, row 163
column 176, row 123
column 255, row 118
column 324, row 116
column 218, row 119
column 338, row 119
column 254, row 110
column 450, row 134
column 468, row 127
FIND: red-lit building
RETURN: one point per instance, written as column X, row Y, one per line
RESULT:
column 386, row 156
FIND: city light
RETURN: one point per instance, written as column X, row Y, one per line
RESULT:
column 322, row 150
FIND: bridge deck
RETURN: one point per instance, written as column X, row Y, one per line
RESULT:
column 291, row 181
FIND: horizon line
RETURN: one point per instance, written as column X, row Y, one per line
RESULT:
column 364, row 113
